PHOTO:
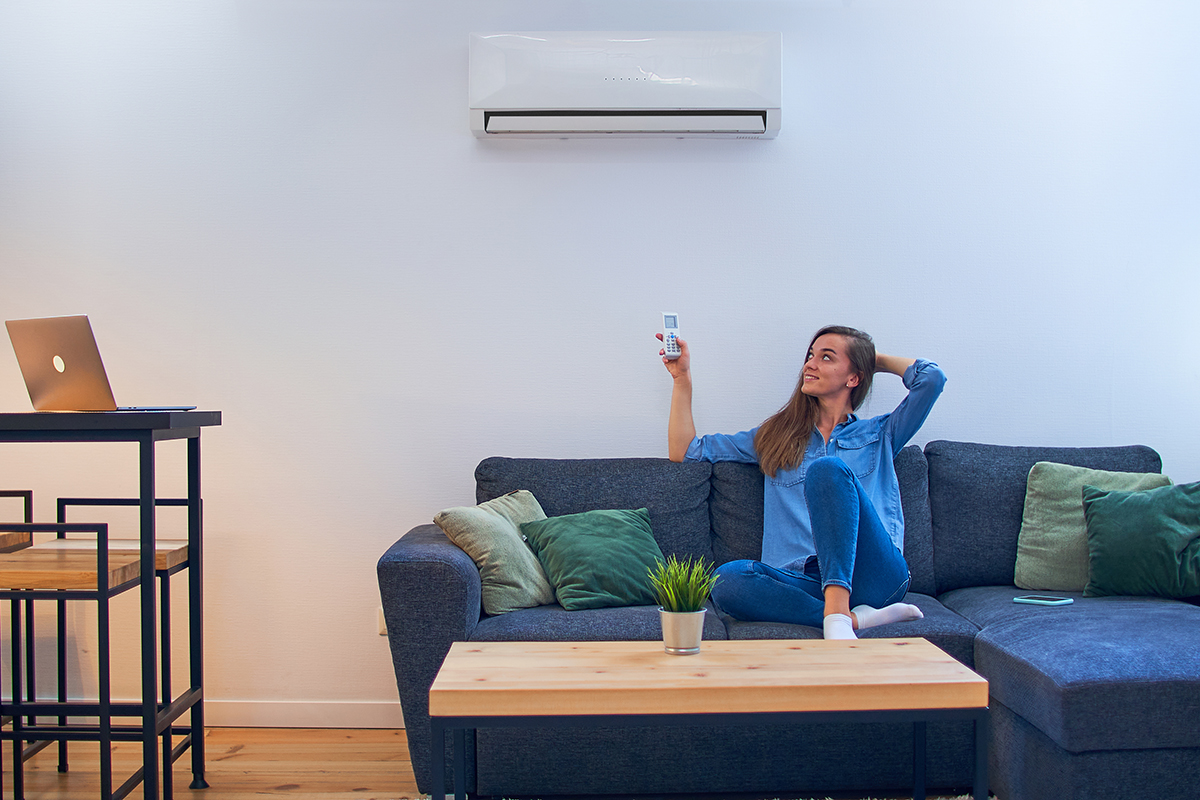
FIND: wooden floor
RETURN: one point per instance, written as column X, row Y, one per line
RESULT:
column 248, row 764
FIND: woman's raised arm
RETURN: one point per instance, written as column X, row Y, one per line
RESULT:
column 924, row 381
column 893, row 364
column 681, row 429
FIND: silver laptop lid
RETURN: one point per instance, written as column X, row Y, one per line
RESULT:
column 61, row 364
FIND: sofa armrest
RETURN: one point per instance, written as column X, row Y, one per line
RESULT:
column 431, row 597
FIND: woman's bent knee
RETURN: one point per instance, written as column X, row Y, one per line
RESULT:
column 733, row 569
column 827, row 468
column 729, row 592
column 729, row 576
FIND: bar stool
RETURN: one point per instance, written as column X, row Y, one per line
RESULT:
column 64, row 569
column 30, row 574
column 10, row 541
column 171, row 557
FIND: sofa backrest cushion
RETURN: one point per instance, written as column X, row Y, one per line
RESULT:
column 913, row 472
column 737, row 511
column 977, row 496
column 676, row 495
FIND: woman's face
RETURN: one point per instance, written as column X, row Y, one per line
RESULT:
column 828, row 370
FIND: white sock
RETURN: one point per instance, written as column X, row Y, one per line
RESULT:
column 839, row 626
column 897, row 612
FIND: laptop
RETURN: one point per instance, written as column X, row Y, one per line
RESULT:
column 62, row 368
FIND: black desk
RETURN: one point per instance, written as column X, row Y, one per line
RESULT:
column 157, row 711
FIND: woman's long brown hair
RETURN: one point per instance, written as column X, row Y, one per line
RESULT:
column 782, row 440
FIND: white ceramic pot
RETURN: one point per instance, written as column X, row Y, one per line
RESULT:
column 682, row 631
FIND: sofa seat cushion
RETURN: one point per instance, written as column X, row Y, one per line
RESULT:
column 940, row 626
column 1105, row 673
column 553, row 623
column 987, row 605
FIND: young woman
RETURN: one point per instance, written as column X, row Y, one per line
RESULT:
column 833, row 530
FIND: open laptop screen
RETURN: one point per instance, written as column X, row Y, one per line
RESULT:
column 61, row 365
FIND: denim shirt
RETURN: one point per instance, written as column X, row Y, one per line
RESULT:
column 867, row 446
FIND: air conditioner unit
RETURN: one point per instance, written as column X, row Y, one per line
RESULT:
column 598, row 84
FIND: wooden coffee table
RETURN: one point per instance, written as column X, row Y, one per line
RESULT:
column 760, row 681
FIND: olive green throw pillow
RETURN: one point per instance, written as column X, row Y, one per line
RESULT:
column 1144, row 543
column 510, row 574
column 598, row 558
column 1052, row 547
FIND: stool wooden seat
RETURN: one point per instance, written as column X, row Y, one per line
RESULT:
column 71, row 563
column 168, row 553
column 48, row 568
column 14, row 540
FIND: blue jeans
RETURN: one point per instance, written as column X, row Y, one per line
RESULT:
column 853, row 551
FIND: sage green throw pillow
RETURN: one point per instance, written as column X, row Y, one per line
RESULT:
column 1144, row 543
column 489, row 533
column 1052, row 547
column 598, row 558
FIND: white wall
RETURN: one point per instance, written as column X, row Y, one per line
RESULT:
column 276, row 209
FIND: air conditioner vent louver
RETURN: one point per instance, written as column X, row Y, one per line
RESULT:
column 530, row 85
column 616, row 122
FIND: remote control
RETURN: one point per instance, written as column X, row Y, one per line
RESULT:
column 670, row 335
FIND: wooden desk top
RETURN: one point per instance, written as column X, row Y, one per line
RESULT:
column 60, row 421
column 743, row 676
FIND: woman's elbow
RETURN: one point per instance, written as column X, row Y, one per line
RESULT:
column 677, row 450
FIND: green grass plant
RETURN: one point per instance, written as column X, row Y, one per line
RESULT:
column 682, row 585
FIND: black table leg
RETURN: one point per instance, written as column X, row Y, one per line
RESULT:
column 460, row 764
column 18, row 748
column 437, row 760
column 981, row 755
column 195, row 526
column 146, row 496
column 918, row 761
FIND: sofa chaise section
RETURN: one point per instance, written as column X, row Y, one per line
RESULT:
column 1097, row 699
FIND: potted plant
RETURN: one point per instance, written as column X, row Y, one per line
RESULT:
column 681, row 588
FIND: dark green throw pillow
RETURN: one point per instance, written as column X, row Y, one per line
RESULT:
column 1144, row 543
column 598, row 558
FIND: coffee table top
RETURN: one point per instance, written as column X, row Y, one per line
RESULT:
column 483, row 679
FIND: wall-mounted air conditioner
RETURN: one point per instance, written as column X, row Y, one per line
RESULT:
column 593, row 84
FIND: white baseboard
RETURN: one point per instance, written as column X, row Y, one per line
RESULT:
column 302, row 714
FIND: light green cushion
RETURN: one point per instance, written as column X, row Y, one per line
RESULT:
column 489, row 533
column 1052, row 547
column 598, row 558
column 1144, row 543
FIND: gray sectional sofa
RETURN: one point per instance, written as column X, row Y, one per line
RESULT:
column 1096, row 700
